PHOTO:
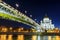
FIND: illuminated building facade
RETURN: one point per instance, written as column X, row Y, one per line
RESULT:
column 46, row 23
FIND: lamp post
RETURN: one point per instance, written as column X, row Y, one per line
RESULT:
column 17, row 5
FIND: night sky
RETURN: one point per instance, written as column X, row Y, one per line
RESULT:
column 38, row 9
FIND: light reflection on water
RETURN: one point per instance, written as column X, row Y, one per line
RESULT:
column 49, row 38
column 28, row 37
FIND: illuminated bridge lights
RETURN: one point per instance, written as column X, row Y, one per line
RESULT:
column 8, row 12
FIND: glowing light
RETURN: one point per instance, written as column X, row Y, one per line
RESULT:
column 19, row 30
column 20, row 37
column 30, row 15
column 4, row 29
column 3, row 37
column 49, row 37
column 10, row 28
column 34, row 37
column 25, row 11
column 17, row 5
column 57, row 37
column 10, row 37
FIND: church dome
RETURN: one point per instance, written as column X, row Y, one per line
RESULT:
column 46, row 23
column 46, row 18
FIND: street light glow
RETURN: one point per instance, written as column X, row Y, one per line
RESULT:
column 30, row 15
column 17, row 5
column 25, row 11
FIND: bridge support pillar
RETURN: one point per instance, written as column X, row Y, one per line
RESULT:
column 20, row 37
column 3, row 37
column 10, row 37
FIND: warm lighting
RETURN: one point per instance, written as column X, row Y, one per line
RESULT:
column 57, row 37
column 19, row 30
column 33, row 30
column 14, row 30
column 34, row 37
column 10, row 28
column 49, row 37
column 3, row 37
column 56, row 28
column 50, row 31
column 10, row 37
column 53, row 31
column 4, row 29
column 20, row 37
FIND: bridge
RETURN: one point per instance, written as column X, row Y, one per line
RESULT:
column 9, row 13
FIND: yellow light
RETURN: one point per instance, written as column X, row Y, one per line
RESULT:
column 19, row 30
column 10, row 37
column 49, row 37
column 34, row 37
column 3, row 37
column 20, row 37
column 33, row 30
column 10, row 28
column 57, row 38
column 14, row 30
column 5, row 30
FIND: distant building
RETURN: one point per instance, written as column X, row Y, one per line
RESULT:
column 46, row 23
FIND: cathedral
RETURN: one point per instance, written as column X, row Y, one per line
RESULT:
column 46, row 23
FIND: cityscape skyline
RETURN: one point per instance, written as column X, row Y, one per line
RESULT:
column 38, row 9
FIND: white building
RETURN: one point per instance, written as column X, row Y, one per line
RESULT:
column 46, row 23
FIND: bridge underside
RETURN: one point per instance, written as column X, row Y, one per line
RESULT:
column 14, row 24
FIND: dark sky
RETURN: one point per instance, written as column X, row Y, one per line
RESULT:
column 38, row 9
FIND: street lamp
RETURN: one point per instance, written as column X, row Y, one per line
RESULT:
column 30, row 15
column 17, row 5
column 25, row 11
